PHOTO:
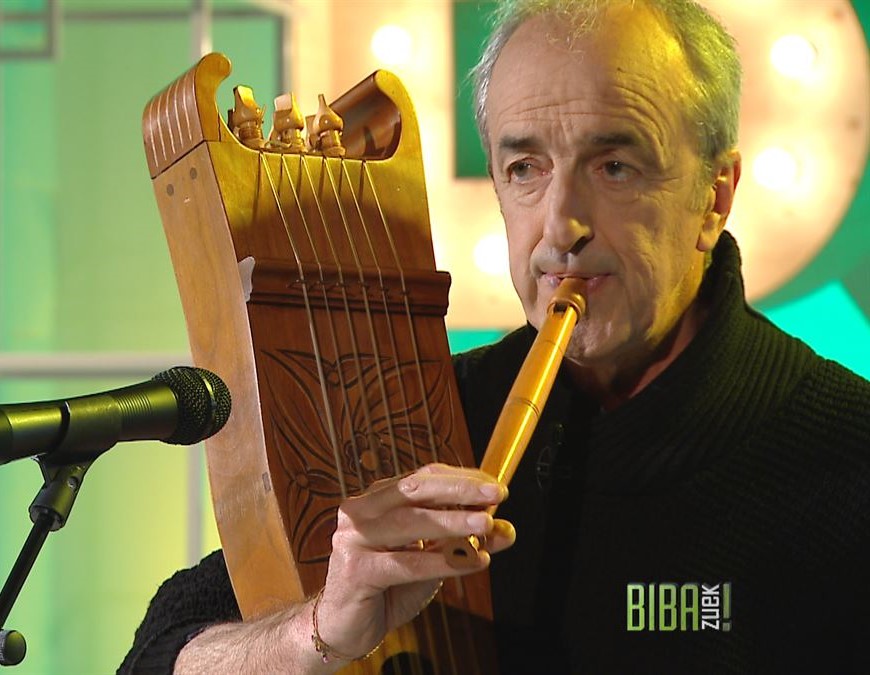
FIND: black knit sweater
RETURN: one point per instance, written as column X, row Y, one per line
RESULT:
column 747, row 461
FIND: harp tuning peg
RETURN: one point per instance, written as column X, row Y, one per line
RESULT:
column 246, row 118
column 326, row 129
column 287, row 125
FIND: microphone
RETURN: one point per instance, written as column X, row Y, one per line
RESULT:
column 181, row 405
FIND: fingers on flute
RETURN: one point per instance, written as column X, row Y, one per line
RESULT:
column 376, row 570
column 433, row 485
column 402, row 567
column 399, row 526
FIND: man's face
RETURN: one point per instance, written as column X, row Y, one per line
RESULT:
column 597, row 175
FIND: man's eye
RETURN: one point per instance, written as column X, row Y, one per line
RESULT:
column 520, row 171
column 618, row 171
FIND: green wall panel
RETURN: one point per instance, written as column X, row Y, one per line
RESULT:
column 831, row 321
column 470, row 27
column 464, row 339
column 84, row 267
column 28, row 199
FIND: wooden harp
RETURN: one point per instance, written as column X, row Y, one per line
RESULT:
column 308, row 284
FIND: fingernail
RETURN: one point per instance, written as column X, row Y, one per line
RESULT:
column 408, row 485
column 478, row 522
column 491, row 490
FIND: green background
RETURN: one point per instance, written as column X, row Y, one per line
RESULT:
column 84, row 268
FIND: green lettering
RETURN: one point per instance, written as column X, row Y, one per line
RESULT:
column 634, row 599
column 689, row 604
column 667, row 606
column 726, row 606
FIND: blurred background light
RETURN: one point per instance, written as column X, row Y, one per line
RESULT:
column 491, row 255
column 793, row 56
column 804, row 130
column 392, row 45
column 776, row 169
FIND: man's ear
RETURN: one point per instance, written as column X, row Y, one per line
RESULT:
column 720, row 202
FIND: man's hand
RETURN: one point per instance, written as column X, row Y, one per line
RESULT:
column 386, row 563
column 385, row 567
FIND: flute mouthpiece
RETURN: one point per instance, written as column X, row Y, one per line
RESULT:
column 569, row 293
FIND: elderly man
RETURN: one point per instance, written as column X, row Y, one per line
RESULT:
column 699, row 501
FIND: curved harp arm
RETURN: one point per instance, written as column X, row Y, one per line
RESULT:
column 526, row 400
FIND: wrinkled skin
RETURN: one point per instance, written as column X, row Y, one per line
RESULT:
column 598, row 177
column 386, row 546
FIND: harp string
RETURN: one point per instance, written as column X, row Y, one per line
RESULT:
column 458, row 581
column 400, row 381
column 342, row 284
column 427, row 621
column 411, row 329
column 364, row 285
column 354, row 342
column 397, row 664
column 315, row 341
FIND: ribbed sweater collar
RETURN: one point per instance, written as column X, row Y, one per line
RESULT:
column 708, row 402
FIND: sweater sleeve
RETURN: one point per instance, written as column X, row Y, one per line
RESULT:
column 185, row 605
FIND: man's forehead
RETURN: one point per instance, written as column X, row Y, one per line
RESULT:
column 622, row 94
column 625, row 40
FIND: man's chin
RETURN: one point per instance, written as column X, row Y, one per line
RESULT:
column 587, row 351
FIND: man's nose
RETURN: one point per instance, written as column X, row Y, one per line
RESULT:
column 566, row 227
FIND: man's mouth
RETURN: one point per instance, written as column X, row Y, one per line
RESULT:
column 593, row 281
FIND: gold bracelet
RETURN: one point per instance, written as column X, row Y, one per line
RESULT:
column 323, row 648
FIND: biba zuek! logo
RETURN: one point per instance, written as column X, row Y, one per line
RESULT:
column 688, row 606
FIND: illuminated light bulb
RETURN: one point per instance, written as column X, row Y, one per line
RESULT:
column 392, row 45
column 794, row 56
column 776, row 169
column 491, row 255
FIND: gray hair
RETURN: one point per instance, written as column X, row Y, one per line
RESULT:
column 709, row 50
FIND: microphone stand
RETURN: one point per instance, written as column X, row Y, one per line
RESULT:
column 49, row 512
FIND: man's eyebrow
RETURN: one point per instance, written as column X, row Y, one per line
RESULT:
column 518, row 143
column 611, row 139
column 616, row 138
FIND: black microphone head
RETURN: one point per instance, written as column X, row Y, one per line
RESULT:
column 204, row 403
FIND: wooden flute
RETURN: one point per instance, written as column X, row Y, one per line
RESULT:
column 522, row 409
